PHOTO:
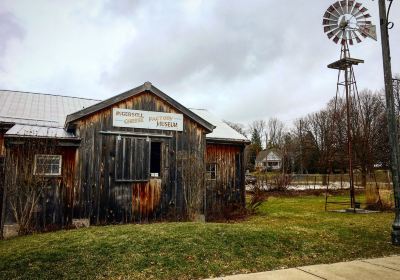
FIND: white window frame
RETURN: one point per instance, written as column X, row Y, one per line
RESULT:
column 47, row 156
column 209, row 172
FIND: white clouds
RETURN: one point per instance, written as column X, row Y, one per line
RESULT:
column 242, row 60
column 62, row 49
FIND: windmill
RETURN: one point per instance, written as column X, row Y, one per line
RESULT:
column 347, row 22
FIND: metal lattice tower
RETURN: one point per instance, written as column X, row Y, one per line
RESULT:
column 347, row 89
column 347, row 22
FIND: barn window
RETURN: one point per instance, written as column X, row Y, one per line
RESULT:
column 211, row 171
column 131, row 159
column 155, row 159
column 49, row 165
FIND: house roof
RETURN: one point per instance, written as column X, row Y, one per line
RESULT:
column 138, row 90
column 268, row 155
column 222, row 131
column 273, row 155
column 38, row 108
column 22, row 130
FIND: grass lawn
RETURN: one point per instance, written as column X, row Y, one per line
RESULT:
column 287, row 232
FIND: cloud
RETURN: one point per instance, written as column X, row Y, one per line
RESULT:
column 242, row 60
column 10, row 31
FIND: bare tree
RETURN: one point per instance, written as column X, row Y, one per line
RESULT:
column 259, row 127
column 369, row 139
column 275, row 132
column 25, row 183
column 237, row 126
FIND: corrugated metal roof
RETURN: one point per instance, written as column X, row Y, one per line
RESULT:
column 43, row 115
column 222, row 131
column 39, row 131
column 38, row 108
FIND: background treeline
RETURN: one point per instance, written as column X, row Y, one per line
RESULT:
column 317, row 142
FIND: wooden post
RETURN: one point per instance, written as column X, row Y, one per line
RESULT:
column 391, row 118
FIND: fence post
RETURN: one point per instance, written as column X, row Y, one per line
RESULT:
column 341, row 181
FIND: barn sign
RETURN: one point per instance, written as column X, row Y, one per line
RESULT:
column 147, row 119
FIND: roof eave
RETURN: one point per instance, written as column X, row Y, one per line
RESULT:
column 228, row 141
column 42, row 137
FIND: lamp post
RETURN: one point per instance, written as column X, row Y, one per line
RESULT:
column 390, row 113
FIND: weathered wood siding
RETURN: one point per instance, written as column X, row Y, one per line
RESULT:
column 2, row 161
column 2, row 147
column 227, row 190
column 113, row 183
column 54, row 209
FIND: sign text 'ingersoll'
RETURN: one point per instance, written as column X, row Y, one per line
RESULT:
column 147, row 119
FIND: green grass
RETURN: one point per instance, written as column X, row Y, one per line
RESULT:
column 287, row 232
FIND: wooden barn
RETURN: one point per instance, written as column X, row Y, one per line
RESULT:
column 135, row 157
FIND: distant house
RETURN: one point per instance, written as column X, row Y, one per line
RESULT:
column 268, row 160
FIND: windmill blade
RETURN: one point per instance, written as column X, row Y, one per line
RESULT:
column 343, row 4
column 336, row 39
column 363, row 16
column 343, row 42
column 338, row 8
column 356, row 9
column 333, row 33
column 342, row 7
column 333, row 11
column 340, row 34
column 364, row 22
column 355, row 36
column 329, row 22
column 328, row 15
column 350, row 4
column 360, row 12
column 357, row 5
column 363, row 10
column 329, row 28
column 369, row 31
column 356, row 13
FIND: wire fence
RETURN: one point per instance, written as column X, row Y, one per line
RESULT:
column 374, row 191
column 381, row 179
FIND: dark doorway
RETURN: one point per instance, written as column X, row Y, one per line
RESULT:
column 155, row 159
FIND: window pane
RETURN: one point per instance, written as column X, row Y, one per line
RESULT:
column 47, row 164
column 211, row 171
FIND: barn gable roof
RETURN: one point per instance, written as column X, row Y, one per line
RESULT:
column 135, row 91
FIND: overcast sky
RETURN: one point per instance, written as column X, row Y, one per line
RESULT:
column 242, row 60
